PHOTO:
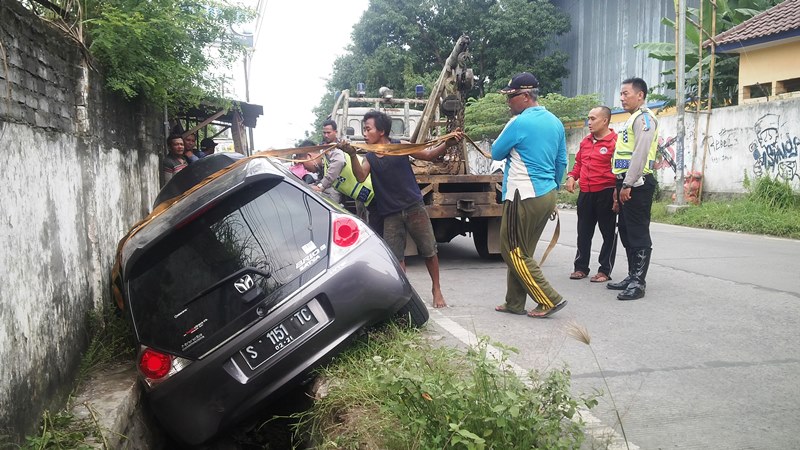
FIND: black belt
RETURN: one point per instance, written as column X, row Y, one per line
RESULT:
column 621, row 176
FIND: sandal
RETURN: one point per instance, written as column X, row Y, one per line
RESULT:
column 503, row 309
column 577, row 275
column 600, row 278
column 541, row 314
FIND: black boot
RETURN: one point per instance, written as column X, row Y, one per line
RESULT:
column 637, row 285
column 622, row 285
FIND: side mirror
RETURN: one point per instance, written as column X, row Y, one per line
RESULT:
column 349, row 131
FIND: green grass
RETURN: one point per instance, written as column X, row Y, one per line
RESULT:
column 393, row 391
column 770, row 208
column 736, row 215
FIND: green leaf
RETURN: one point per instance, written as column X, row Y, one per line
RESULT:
column 748, row 12
column 471, row 436
column 664, row 51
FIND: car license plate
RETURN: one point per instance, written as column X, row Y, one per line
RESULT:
column 276, row 339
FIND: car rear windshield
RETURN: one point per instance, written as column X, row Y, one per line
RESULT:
column 216, row 275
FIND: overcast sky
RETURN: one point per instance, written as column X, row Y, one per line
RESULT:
column 297, row 45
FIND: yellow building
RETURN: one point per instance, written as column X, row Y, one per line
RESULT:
column 769, row 53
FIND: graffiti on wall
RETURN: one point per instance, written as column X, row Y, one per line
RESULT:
column 722, row 144
column 666, row 153
column 774, row 150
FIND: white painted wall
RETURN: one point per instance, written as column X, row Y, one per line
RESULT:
column 64, row 207
column 79, row 167
column 747, row 140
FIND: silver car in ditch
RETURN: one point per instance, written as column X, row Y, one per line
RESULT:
column 245, row 285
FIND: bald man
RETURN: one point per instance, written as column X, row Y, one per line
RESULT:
column 596, row 203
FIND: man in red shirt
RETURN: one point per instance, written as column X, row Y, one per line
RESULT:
column 596, row 202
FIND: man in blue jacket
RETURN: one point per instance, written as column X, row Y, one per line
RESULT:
column 534, row 146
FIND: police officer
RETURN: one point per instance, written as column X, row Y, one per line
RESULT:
column 333, row 162
column 338, row 178
column 633, row 162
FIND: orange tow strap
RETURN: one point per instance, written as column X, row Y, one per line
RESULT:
column 385, row 149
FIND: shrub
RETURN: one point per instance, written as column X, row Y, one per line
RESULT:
column 773, row 193
column 395, row 391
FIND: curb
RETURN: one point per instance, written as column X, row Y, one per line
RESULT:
column 111, row 399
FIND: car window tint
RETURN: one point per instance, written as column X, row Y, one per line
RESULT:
column 176, row 285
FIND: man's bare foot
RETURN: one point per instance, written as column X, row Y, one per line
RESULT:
column 438, row 300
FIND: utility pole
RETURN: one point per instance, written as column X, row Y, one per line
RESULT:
column 247, row 58
column 680, row 96
column 680, row 104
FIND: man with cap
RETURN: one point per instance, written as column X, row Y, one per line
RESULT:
column 633, row 161
column 534, row 147
column 209, row 146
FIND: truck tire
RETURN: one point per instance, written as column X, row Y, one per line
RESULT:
column 480, row 236
column 414, row 313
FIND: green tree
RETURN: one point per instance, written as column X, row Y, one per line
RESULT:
column 402, row 43
column 485, row 117
column 726, row 66
column 162, row 50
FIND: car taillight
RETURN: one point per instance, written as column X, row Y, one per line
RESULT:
column 345, row 231
column 156, row 366
column 348, row 233
column 192, row 217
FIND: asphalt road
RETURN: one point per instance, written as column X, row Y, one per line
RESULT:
column 709, row 359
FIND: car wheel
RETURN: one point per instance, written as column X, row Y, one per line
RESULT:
column 413, row 313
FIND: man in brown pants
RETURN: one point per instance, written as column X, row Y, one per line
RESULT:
column 534, row 146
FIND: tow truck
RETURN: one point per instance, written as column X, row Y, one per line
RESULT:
column 460, row 194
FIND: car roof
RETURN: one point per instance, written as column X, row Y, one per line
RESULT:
column 195, row 173
column 252, row 170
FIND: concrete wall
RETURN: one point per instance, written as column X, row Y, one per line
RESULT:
column 600, row 44
column 746, row 140
column 768, row 65
column 79, row 167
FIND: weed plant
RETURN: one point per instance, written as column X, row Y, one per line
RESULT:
column 110, row 341
column 581, row 334
column 394, row 391
column 773, row 193
column 60, row 431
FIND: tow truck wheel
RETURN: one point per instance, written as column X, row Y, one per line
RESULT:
column 480, row 236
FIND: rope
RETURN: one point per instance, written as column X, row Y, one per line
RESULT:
column 554, row 239
column 386, row 149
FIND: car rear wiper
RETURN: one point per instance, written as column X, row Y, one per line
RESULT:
column 243, row 283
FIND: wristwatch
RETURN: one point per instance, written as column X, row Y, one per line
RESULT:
column 626, row 186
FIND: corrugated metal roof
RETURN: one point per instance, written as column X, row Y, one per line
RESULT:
column 779, row 19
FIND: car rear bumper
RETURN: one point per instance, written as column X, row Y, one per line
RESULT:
column 221, row 389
